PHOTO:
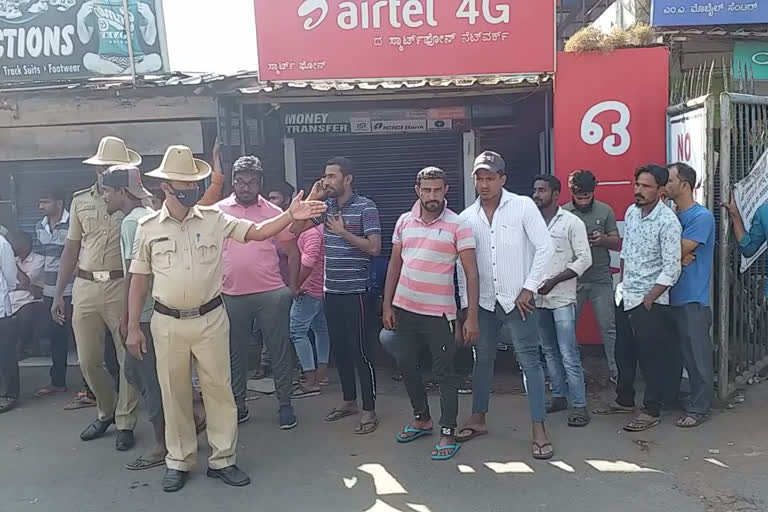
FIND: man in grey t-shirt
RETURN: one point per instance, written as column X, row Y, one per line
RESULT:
column 596, row 285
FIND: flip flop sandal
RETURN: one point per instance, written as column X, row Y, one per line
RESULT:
column 49, row 391
column 338, row 414
column 142, row 464
column 417, row 433
column 538, row 451
column 473, row 433
column 613, row 408
column 578, row 419
column 367, row 427
column 301, row 392
column 697, row 419
column 454, row 449
column 638, row 425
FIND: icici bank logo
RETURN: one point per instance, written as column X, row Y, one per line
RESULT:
column 309, row 10
column 618, row 141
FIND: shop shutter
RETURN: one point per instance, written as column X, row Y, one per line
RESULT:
column 31, row 178
column 386, row 169
column 520, row 151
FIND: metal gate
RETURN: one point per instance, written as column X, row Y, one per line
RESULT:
column 743, row 308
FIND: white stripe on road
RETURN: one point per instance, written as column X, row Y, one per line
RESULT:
column 619, row 466
column 562, row 465
column 385, row 483
column 509, row 467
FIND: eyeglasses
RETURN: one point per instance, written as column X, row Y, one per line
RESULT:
column 245, row 183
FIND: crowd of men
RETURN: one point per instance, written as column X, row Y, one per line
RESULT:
column 182, row 280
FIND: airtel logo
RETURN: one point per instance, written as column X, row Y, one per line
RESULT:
column 618, row 141
column 308, row 7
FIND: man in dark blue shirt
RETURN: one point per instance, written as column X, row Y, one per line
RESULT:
column 352, row 239
column 689, row 298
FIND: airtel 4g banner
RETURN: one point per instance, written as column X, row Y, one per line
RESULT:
column 365, row 39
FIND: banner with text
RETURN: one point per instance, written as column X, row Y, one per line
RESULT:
column 609, row 117
column 673, row 13
column 687, row 143
column 334, row 39
column 750, row 194
column 46, row 40
column 335, row 122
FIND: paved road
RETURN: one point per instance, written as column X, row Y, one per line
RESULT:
column 323, row 467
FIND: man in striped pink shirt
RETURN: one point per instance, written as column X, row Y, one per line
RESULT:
column 420, row 303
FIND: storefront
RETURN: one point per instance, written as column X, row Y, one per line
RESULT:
column 47, row 130
column 392, row 135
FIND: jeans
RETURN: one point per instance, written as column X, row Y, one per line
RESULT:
column 557, row 333
column 347, row 316
column 59, row 336
column 414, row 332
column 272, row 313
column 655, row 344
column 693, row 322
column 9, row 363
column 526, row 345
column 309, row 312
column 601, row 296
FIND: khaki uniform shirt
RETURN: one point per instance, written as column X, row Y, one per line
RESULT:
column 96, row 230
column 184, row 257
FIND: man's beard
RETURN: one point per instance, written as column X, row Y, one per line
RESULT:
column 584, row 208
column 432, row 206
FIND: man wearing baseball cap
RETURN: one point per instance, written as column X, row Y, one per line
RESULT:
column 513, row 251
column 179, row 249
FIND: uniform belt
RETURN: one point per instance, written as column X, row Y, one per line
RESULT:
column 184, row 314
column 100, row 277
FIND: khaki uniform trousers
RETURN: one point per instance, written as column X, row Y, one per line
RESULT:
column 97, row 307
column 206, row 340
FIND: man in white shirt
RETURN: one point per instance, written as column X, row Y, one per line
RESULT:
column 513, row 250
column 27, row 298
column 556, row 301
column 9, row 366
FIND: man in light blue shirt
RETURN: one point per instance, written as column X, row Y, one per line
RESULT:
column 750, row 241
column 689, row 298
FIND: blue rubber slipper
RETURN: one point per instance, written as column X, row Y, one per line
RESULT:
column 417, row 433
column 453, row 447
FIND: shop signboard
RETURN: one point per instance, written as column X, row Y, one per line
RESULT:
column 687, row 143
column 375, row 39
column 334, row 122
column 47, row 40
column 674, row 13
column 609, row 117
column 751, row 56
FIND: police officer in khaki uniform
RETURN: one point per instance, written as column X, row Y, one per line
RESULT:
column 180, row 247
column 92, row 253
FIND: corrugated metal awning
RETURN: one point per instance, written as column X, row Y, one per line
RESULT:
column 322, row 86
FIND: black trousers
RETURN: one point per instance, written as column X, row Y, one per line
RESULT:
column 9, row 364
column 347, row 317
column 655, row 346
column 626, row 359
column 416, row 332
column 28, row 320
column 59, row 336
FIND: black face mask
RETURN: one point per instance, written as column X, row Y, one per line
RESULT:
column 187, row 197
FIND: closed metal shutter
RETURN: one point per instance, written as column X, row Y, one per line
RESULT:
column 32, row 178
column 520, row 150
column 386, row 169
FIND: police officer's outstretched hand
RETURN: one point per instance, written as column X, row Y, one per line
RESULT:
column 136, row 343
column 305, row 210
